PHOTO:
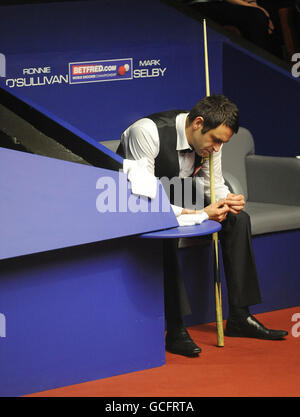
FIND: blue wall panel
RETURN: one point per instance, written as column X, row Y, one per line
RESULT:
column 268, row 98
column 54, row 35
column 278, row 265
column 80, row 314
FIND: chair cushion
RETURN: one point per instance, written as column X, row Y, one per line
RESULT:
column 268, row 218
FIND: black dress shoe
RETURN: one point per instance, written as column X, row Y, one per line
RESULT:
column 181, row 343
column 251, row 327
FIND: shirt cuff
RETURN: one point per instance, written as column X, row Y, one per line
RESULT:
column 191, row 219
column 177, row 210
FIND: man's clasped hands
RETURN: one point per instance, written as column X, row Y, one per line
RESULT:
column 218, row 211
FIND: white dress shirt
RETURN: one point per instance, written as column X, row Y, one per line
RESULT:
column 141, row 140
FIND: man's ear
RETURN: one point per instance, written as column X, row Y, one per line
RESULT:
column 198, row 123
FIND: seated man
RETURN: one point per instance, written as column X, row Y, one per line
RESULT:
column 175, row 143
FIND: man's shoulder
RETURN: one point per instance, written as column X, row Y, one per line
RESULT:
column 149, row 124
column 143, row 123
column 166, row 115
column 141, row 128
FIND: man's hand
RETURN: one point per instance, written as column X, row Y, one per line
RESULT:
column 235, row 203
column 217, row 211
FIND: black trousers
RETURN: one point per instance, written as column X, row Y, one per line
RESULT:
column 239, row 266
column 251, row 21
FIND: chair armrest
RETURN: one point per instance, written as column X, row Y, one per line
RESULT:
column 273, row 179
column 233, row 183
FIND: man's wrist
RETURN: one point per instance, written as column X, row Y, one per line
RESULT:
column 189, row 211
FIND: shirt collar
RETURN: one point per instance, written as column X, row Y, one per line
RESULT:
column 182, row 142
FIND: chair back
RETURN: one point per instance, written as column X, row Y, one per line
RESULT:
column 234, row 157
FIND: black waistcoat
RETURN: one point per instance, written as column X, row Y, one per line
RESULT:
column 166, row 162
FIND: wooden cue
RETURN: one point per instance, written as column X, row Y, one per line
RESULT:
column 218, row 295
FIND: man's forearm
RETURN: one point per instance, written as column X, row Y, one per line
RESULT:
column 180, row 210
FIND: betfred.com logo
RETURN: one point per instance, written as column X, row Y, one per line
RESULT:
column 96, row 71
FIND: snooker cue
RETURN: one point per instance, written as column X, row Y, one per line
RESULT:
column 218, row 296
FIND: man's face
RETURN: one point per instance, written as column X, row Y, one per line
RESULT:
column 205, row 143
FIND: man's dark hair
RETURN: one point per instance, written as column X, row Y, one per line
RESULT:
column 216, row 110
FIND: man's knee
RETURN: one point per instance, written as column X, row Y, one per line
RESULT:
column 243, row 216
column 241, row 220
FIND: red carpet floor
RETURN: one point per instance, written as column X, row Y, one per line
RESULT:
column 243, row 368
